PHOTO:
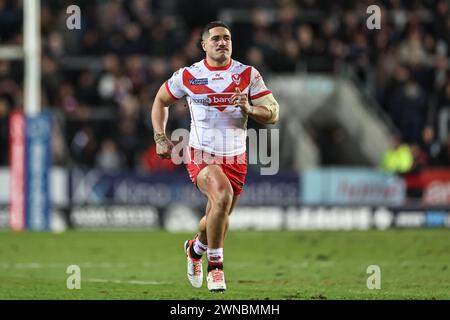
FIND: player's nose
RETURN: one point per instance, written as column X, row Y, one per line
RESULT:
column 222, row 43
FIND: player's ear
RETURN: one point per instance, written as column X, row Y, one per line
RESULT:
column 203, row 45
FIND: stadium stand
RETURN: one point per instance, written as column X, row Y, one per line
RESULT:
column 101, row 80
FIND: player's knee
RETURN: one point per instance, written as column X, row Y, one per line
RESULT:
column 223, row 198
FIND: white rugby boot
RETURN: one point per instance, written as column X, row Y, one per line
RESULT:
column 194, row 266
column 216, row 280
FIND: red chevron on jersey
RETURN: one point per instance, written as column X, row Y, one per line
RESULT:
column 218, row 126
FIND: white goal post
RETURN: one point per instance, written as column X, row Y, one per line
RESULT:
column 30, row 52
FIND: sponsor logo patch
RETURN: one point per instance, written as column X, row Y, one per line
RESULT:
column 218, row 100
column 218, row 76
column 198, row 82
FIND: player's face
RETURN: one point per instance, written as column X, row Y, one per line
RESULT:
column 218, row 45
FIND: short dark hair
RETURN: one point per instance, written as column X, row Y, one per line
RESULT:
column 214, row 24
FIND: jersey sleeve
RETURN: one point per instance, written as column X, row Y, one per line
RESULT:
column 258, row 88
column 174, row 85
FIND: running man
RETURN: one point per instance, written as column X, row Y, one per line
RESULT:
column 221, row 93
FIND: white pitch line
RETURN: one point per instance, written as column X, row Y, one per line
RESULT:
column 31, row 265
column 38, row 265
column 140, row 282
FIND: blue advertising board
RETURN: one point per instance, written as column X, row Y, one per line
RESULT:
column 96, row 187
column 352, row 186
column 38, row 159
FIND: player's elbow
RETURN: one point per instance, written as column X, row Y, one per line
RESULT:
column 275, row 114
column 275, row 118
column 269, row 103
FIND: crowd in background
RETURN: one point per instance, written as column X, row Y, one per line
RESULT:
column 102, row 78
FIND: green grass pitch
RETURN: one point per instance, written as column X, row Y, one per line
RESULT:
column 414, row 264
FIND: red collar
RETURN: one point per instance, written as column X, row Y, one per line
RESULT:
column 211, row 68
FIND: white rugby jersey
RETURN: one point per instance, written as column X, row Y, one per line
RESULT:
column 217, row 126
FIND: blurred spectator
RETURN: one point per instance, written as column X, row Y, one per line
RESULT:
column 444, row 155
column 134, row 40
column 441, row 26
column 260, row 34
column 443, row 102
column 113, row 85
column 444, row 95
column 136, row 72
column 408, row 110
column 420, row 159
column 55, row 45
column 441, row 64
column 84, row 147
column 430, row 146
column 330, row 140
column 359, row 56
column 398, row 158
column 255, row 57
column 87, row 88
column 9, row 85
column 305, row 38
column 128, row 141
column 51, row 79
column 4, row 133
column 108, row 157
column 141, row 11
column 158, row 73
column 10, row 21
column 67, row 99
column 412, row 51
column 287, row 19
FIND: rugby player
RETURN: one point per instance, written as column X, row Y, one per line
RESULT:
column 221, row 93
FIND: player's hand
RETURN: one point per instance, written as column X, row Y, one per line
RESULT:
column 163, row 146
column 241, row 100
